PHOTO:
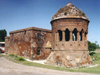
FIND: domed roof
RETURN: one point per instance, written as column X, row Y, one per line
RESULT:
column 69, row 11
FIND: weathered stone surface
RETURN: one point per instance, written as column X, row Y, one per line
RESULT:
column 27, row 42
column 70, row 46
column 69, row 58
column 69, row 11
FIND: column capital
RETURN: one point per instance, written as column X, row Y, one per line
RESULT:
column 83, row 31
column 63, row 30
column 78, row 31
column 71, row 31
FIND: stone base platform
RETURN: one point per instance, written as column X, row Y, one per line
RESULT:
column 70, row 59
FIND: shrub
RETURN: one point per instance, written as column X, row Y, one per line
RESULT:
column 92, row 53
column 21, row 59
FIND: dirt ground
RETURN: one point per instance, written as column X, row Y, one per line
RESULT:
column 10, row 68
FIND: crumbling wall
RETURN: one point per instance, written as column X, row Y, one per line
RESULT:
column 70, row 59
column 7, row 44
column 40, row 39
column 27, row 42
column 20, row 43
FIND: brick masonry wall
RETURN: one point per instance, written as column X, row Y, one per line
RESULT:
column 70, row 24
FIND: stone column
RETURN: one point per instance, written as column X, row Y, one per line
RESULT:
column 63, row 33
column 82, row 36
column 57, row 37
column 78, row 39
column 70, row 35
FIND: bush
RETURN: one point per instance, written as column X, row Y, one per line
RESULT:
column 92, row 53
column 21, row 59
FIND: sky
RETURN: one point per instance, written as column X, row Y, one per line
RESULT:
column 19, row 14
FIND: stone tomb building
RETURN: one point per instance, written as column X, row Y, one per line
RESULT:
column 31, row 42
column 65, row 45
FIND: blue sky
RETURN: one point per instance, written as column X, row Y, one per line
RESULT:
column 19, row 14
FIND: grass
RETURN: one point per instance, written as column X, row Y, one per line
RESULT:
column 96, row 69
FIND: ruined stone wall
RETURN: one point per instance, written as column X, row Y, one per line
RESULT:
column 27, row 42
column 20, row 43
column 39, row 41
column 70, row 58
column 7, row 44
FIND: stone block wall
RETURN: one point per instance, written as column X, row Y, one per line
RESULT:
column 7, row 44
column 70, row 59
column 29, row 43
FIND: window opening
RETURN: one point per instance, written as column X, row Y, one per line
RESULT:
column 81, row 35
column 67, row 36
column 38, row 52
column 75, row 34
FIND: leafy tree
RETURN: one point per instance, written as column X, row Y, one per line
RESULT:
column 3, row 34
column 91, row 46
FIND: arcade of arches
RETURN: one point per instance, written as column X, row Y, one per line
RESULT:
column 74, row 35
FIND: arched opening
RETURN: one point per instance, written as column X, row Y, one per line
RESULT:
column 60, row 35
column 81, row 35
column 67, row 35
column 75, row 34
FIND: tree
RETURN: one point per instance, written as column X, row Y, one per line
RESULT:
column 91, row 46
column 3, row 34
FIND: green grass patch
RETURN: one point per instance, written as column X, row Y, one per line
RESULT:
column 12, row 55
column 96, row 69
column 15, row 57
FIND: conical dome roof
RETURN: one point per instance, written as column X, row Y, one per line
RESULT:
column 69, row 11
